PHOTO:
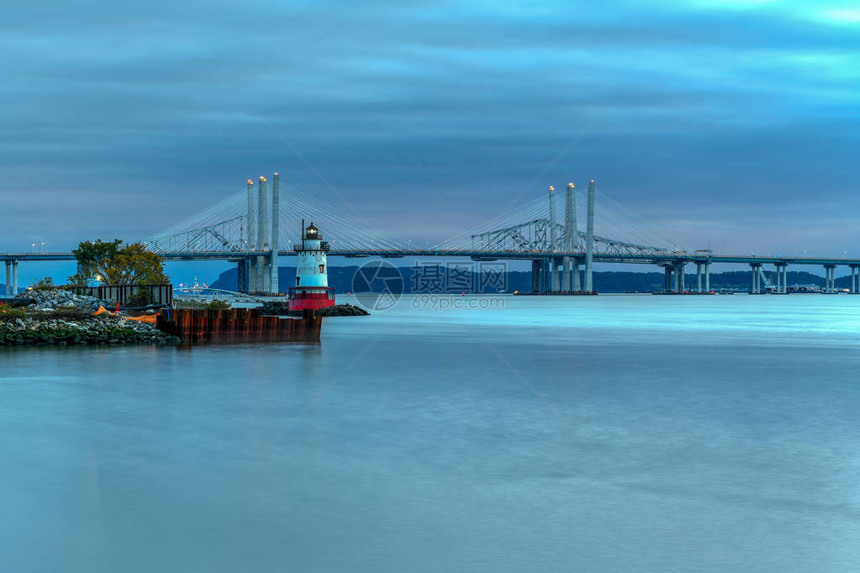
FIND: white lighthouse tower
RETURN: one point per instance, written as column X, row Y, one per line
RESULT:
column 311, row 289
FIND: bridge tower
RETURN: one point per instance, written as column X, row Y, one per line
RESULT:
column 553, row 242
column 276, row 217
column 589, row 239
column 571, row 275
column 248, row 268
column 263, row 271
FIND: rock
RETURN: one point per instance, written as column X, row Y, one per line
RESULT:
column 342, row 310
column 78, row 327
column 47, row 299
column 274, row 309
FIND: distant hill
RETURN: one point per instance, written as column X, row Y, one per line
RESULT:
column 613, row 281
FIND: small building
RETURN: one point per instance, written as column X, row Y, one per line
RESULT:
column 311, row 289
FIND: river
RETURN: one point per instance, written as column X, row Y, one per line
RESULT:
column 609, row 433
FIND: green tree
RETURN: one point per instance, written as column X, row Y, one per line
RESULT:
column 113, row 263
column 45, row 283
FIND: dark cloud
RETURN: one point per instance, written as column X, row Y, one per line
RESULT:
column 726, row 127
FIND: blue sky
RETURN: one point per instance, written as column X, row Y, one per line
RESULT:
column 730, row 124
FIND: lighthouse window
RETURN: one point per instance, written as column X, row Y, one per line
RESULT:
column 322, row 268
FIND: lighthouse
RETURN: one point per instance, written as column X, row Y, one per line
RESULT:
column 311, row 289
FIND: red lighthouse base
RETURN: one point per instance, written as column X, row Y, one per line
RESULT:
column 315, row 298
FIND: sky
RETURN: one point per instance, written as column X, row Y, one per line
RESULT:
column 730, row 125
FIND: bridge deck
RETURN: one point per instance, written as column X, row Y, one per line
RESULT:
column 668, row 258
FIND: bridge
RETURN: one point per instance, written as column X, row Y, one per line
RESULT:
column 254, row 228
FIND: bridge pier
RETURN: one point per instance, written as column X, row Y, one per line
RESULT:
column 781, row 278
column 565, row 274
column 667, row 279
column 536, row 282
column 708, row 276
column 244, row 276
column 267, row 274
column 855, row 275
column 262, row 279
column 699, row 277
column 546, row 276
column 829, row 279
column 14, row 277
column 8, row 278
column 577, row 278
column 679, row 277
column 755, row 285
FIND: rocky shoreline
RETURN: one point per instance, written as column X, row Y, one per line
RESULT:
column 281, row 309
column 103, row 329
column 60, row 318
column 342, row 310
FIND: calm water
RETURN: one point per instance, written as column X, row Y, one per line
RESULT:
column 677, row 434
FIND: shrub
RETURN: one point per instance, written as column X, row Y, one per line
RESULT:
column 141, row 297
column 10, row 313
column 70, row 313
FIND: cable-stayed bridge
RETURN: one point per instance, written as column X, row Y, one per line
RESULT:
column 562, row 233
column 255, row 227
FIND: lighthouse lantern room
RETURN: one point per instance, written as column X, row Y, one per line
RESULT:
column 311, row 289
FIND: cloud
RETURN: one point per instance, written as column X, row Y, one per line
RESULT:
column 120, row 120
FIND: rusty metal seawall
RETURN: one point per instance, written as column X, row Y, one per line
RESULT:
column 238, row 325
column 156, row 294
